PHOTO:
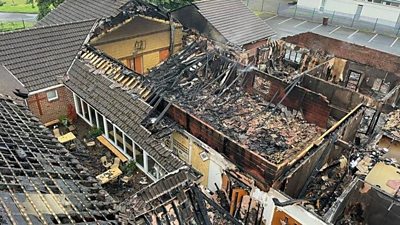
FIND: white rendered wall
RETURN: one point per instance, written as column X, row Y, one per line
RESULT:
column 295, row 211
column 309, row 3
column 373, row 10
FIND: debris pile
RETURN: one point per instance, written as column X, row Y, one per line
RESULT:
column 175, row 199
column 392, row 125
column 211, row 86
column 285, row 60
column 274, row 133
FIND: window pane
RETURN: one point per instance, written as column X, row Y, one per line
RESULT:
column 100, row 122
column 120, row 140
column 110, row 131
column 85, row 110
column 154, row 168
column 52, row 95
column 287, row 54
column 139, row 155
column 151, row 167
column 78, row 105
column 129, row 146
column 93, row 115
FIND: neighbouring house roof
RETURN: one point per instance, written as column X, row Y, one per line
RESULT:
column 37, row 57
column 78, row 10
column 230, row 19
column 10, row 85
column 94, row 78
column 42, row 183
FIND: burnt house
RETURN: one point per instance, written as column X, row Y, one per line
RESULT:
column 39, row 57
column 101, row 101
column 355, row 69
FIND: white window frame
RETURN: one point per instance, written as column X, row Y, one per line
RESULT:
column 54, row 98
column 95, row 121
column 77, row 101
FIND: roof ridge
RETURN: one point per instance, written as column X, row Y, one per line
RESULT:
column 47, row 26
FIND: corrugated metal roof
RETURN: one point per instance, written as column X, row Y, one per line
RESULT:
column 234, row 21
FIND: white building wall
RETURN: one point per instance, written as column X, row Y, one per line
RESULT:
column 309, row 3
column 389, row 13
column 343, row 6
column 372, row 10
column 295, row 211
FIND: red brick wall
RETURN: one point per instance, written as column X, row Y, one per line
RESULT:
column 262, row 171
column 47, row 111
column 353, row 52
column 315, row 107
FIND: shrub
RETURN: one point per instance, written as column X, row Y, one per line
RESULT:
column 129, row 168
column 64, row 120
column 95, row 132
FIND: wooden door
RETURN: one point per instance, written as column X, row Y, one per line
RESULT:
column 164, row 54
column 139, row 64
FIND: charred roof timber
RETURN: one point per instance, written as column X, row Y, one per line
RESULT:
column 175, row 199
column 41, row 182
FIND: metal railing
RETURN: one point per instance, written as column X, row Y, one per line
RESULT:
column 341, row 19
column 6, row 26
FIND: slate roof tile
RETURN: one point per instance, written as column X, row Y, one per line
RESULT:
column 234, row 21
column 37, row 56
column 78, row 10
column 122, row 111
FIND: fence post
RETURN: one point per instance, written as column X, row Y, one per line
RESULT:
column 333, row 16
column 262, row 5
column 23, row 23
column 248, row 2
column 376, row 21
column 398, row 32
column 352, row 22
column 295, row 11
column 313, row 13
column 279, row 6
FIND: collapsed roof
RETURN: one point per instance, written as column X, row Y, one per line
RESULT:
column 42, row 183
column 211, row 85
column 175, row 199
column 93, row 77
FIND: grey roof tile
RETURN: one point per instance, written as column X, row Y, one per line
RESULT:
column 119, row 107
column 78, row 10
column 37, row 56
column 234, row 21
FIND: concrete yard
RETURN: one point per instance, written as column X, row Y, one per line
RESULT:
column 290, row 26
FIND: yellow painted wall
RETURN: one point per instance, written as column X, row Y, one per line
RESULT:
column 179, row 139
column 150, row 60
column 154, row 43
column 194, row 152
column 199, row 164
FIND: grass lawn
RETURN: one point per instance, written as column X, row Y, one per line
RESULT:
column 11, row 26
column 18, row 6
